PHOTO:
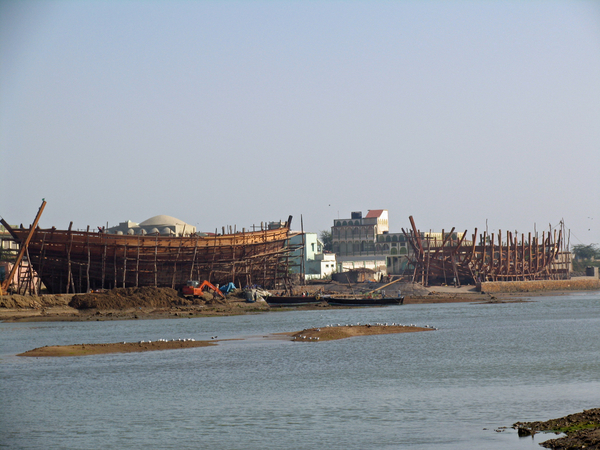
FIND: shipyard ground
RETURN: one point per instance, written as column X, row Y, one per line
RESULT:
column 152, row 303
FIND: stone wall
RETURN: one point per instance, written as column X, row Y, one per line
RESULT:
column 578, row 284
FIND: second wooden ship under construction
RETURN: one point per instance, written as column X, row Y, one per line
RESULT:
column 81, row 261
column 454, row 259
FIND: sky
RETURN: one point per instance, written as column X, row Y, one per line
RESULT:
column 461, row 114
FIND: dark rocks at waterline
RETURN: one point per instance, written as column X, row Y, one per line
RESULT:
column 582, row 430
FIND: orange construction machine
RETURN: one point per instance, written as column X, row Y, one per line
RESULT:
column 195, row 289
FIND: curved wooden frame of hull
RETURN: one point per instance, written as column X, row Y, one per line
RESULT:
column 76, row 261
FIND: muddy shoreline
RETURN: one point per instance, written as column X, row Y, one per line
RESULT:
column 162, row 303
column 582, row 430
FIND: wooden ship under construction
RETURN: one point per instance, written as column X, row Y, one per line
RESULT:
column 69, row 261
column 455, row 260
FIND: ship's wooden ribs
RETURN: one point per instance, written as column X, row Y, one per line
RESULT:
column 69, row 275
column 89, row 260
column 175, row 264
column 137, row 263
column 155, row 264
column 125, row 265
column 491, row 259
column 41, row 262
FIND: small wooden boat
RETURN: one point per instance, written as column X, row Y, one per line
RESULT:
column 297, row 300
column 385, row 301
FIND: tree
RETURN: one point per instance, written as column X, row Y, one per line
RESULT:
column 586, row 251
column 327, row 240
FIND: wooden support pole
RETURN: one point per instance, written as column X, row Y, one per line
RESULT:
column 125, row 265
column 89, row 259
column 6, row 283
column 69, row 275
column 137, row 263
column 155, row 261
column 104, row 260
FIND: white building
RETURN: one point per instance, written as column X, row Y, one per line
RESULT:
column 157, row 225
column 317, row 264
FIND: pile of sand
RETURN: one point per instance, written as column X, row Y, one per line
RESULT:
column 123, row 298
column 33, row 302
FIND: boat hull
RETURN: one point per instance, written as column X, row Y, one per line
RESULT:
column 293, row 300
column 74, row 261
column 365, row 301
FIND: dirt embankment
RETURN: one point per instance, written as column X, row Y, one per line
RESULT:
column 34, row 302
column 120, row 303
column 576, row 284
column 122, row 298
column 150, row 302
column 582, row 430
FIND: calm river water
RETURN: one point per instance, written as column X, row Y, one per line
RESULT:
column 486, row 367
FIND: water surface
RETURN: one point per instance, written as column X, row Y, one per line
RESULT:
column 486, row 367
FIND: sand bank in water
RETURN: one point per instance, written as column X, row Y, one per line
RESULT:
column 342, row 332
column 120, row 347
column 308, row 335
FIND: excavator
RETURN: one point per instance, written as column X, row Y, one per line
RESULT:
column 195, row 289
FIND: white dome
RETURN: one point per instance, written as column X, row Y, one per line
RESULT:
column 161, row 220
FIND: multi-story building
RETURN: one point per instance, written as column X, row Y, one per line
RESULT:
column 317, row 264
column 365, row 242
column 354, row 241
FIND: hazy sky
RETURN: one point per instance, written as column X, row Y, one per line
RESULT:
column 237, row 112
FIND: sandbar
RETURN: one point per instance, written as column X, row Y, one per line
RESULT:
column 308, row 335
column 347, row 331
column 120, row 347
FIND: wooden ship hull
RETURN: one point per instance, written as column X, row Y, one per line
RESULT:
column 453, row 260
column 70, row 261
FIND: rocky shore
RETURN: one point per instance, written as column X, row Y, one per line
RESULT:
column 582, row 430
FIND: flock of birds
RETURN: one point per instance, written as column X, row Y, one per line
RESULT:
column 378, row 324
column 358, row 324
column 304, row 337
column 167, row 340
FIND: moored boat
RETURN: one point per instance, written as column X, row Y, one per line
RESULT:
column 385, row 301
column 298, row 300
